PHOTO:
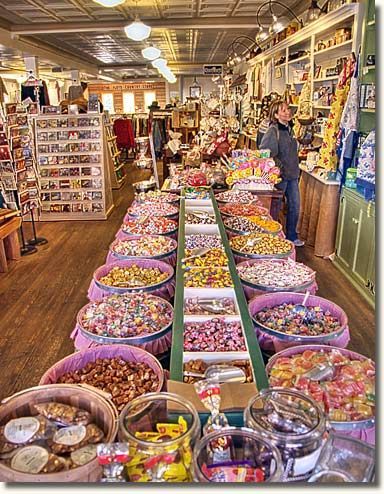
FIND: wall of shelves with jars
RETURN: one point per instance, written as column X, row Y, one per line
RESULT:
column 316, row 52
column 74, row 180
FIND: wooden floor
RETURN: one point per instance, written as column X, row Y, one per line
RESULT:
column 41, row 295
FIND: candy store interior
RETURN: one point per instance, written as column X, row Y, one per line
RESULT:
column 187, row 241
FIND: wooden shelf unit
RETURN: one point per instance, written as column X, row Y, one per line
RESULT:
column 306, row 39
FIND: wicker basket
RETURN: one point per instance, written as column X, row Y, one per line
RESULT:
column 101, row 408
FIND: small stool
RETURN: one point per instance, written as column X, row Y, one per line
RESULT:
column 9, row 242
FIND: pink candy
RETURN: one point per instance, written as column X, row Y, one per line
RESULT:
column 215, row 335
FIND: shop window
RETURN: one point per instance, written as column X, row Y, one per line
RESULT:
column 107, row 100
column 128, row 102
column 149, row 98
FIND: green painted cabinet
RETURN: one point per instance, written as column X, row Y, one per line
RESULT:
column 355, row 241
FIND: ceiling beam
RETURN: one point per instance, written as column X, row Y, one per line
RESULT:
column 176, row 65
column 104, row 26
column 29, row 47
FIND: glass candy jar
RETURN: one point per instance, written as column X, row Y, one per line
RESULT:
column 345, row 457
column 292, row 422
column 161, row 430
column 236, row 455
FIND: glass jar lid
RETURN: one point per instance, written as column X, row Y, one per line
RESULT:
column 286, row 417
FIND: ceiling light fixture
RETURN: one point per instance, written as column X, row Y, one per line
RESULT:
column 151, row 53
column 137, row 30
column 109, row 3
column 314, row 12
column 159, row 63
column 276, row 25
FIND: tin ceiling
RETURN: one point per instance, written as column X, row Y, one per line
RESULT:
column 84, row 35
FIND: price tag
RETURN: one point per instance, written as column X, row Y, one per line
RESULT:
column 21, row 430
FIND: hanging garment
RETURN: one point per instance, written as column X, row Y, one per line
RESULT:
column 158, row 138
column 123, row 129
column 366, row 164
column 328, row 157
column 349, row 125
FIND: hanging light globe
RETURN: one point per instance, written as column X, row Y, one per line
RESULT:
column 109, row 3
column 276, row 26
column 159, row 63
column 137, row 30
column 151, row 53
column 313, row 12
column 262, row 35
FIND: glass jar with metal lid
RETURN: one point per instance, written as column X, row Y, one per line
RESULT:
column 291, row 421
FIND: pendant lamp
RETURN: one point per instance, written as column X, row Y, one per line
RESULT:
column 151, row 53
column 137, row 30
column 109, row 3
column 313, row 12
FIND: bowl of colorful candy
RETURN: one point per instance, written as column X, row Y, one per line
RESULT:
column 236, row 196
column 276, row 314
column 239, row 209
column 261, row 245
column 144, row 247
column 133, row 319
column 151, row 209
column 341, row 381
column 275, row 275
column 157, row 196
column 215, row 257
column 147, row 225
column 133, row 275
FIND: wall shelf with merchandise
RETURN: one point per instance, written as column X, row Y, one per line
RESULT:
column 74, row 178
column 312, row 52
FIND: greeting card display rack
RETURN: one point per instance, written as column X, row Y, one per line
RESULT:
column 74, row 177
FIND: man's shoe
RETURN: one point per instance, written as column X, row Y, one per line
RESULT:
column 298, row 243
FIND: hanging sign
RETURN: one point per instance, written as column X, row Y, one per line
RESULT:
column 213, row 69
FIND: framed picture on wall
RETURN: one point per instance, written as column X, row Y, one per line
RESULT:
column 278, row 73
column 195, row 91
column 50, row 109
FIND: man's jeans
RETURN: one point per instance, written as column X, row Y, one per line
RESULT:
column 290, row 189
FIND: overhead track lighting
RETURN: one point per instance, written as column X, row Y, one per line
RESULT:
column 109, row 3
column 137, row 30
column 151, row 53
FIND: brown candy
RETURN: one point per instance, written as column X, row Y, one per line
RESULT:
column 123, row 380
column 36, row 459
column 63, row 414
column 24, row 430
column 75, row 437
